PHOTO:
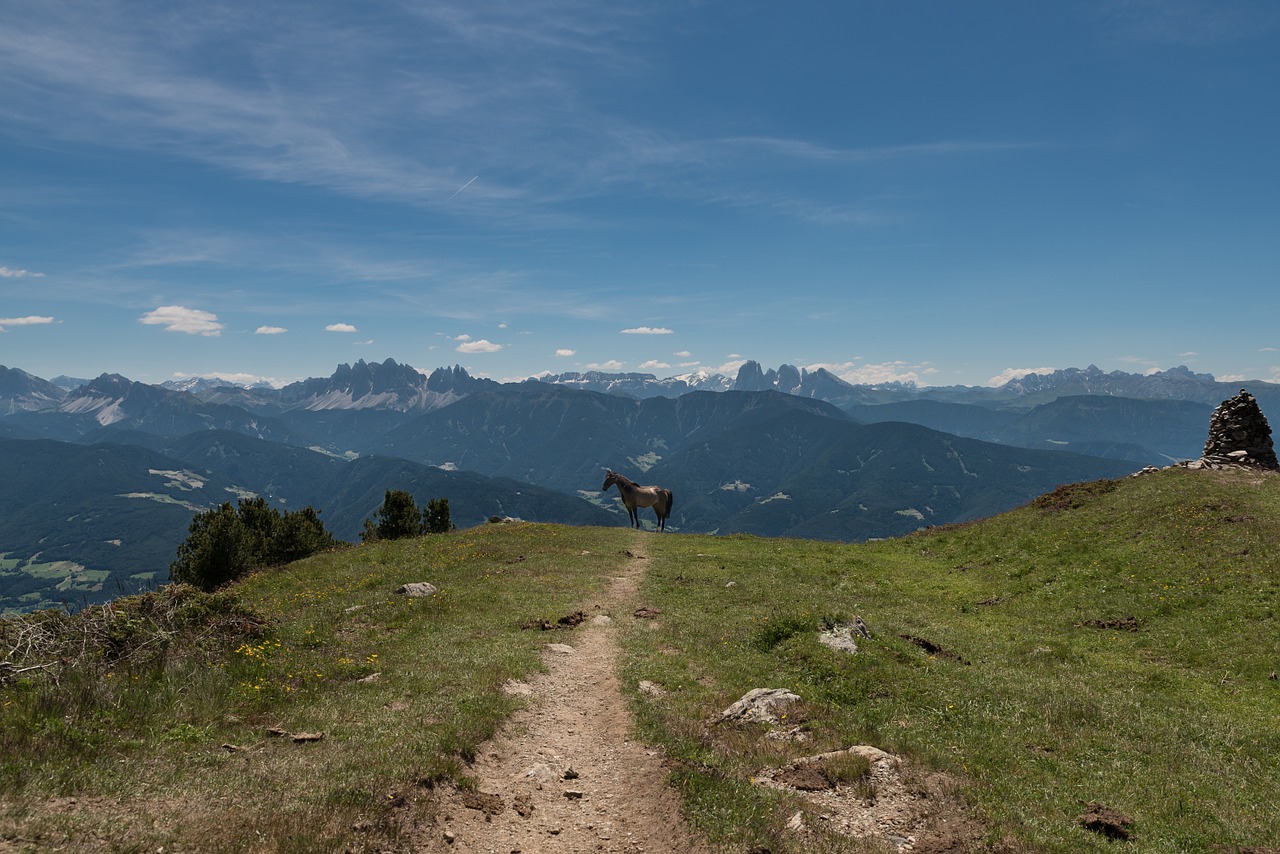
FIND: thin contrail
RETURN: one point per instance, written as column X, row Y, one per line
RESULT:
column 460, row 189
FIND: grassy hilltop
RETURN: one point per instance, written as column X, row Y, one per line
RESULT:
column 1114, row 642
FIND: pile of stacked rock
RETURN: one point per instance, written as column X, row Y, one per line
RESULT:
column 1239, row 435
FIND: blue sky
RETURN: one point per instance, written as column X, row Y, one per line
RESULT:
column 943, row 192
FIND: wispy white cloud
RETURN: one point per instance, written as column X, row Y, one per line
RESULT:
column 340, row 327
column 1266, row 349
column 1268, row 375
column 878, row 373
column 647, row 330
column 33, row 320
column 10, row 273
column 804, row 150
column 729, row 368
column 179, row 318
column 270, row 330
column 565, row 352
column 478, row 346
column 309, row 104
column 682, row 354
column 611, row 365
column 653, row 365
column 1010, row 374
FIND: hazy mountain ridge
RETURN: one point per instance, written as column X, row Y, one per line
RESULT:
column 401, row 387
column 564, row 438
column 84, row 523
column 786, row 451
column 111, row 400
column 24, row 392
column 805, row 476
column 1149, row 432
column 638, row 385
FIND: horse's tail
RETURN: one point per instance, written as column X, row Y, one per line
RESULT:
column 671, row 500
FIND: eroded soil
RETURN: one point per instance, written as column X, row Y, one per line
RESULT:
column 565, row 774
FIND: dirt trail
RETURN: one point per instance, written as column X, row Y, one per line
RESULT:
column 565, row 775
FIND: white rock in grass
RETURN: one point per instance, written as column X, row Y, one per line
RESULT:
column 840, row 639
column 417, row 589
column 760, row 705
column 560, row 649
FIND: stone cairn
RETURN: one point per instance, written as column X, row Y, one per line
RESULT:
column 1239, row 435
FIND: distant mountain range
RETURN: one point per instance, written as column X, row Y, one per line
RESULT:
column 102, row 476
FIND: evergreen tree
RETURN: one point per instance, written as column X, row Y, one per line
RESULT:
column 215, row 550
column 435, row 518
column 298, row 535
column 225, row 543
column 397, row 518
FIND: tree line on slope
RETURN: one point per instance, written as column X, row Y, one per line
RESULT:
column 228, row 542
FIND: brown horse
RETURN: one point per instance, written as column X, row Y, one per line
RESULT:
column 640, row 496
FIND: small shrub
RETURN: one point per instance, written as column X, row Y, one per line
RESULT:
column 845, row 769
column 774, row 632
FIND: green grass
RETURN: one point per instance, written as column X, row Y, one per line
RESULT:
column 147, row 734
column 991, row 661
column 1176, row 724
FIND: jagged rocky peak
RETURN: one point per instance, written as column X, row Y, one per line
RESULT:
column 457, row 380
column 788, row 378
column 108, row 383
column 1239, row 433
column 115, row 387
column 374, row 377
column 751, row 377
column 1182, row 371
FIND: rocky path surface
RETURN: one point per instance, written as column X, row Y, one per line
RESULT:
column 565, row 774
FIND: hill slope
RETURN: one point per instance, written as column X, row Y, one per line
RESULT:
column 1113, row 642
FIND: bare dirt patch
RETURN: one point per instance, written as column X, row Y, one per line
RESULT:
column 891, row 802
column 1110, row 823
column 934, row 649
column 1124, row 624
column 565, row 774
